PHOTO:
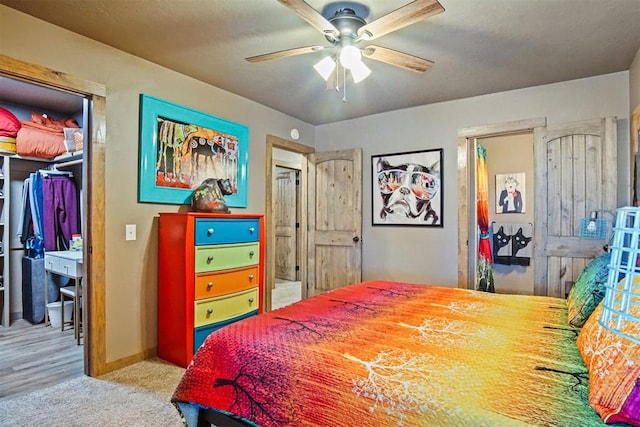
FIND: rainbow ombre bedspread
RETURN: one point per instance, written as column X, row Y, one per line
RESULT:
column 394, row 354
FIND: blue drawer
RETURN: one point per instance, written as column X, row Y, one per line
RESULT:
column 214, row 231
column 201, row 333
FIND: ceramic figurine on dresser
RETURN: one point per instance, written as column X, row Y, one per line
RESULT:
column 209, row 196
column 210, row 274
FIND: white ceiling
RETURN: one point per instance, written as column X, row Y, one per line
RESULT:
column 478, row 47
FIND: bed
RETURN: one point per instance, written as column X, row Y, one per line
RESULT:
column 384, row 353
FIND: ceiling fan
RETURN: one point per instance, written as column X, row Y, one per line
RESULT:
column 345, row 31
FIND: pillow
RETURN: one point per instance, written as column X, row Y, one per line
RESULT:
column 588, row 290
column 613, row 363
column 9, row 123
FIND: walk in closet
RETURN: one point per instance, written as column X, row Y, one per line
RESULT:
column 31, row 273
column 46, row 170
column 30, row 88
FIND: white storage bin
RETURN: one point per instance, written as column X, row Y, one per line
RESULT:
column 55, row 313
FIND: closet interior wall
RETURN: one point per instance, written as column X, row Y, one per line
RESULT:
column 57, row 105
column 511, row 154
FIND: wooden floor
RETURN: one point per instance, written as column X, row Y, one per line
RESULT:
column 37, row 356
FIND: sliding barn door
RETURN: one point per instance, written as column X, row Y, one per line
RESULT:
column 335, row 220
column 576, row 173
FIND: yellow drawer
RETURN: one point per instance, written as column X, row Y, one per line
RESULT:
column 226, row 307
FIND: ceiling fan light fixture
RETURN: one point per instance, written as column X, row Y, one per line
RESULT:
column 350, row 57
column 359, row 72
column 325, row 67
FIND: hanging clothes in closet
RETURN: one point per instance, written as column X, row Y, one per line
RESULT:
column 60, row 211
column 50, row 215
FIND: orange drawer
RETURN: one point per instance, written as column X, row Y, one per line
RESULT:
column 221, row 283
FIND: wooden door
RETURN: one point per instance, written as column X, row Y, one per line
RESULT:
column 335, row 220
column 284, row 218
column 576, row 173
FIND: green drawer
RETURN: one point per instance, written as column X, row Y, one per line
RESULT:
column 222, row 257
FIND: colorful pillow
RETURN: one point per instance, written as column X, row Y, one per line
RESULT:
column 613, row 363
column 588, row 290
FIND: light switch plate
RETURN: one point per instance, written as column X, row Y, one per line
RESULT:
column 130, row 232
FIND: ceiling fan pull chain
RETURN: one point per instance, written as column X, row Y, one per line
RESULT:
column 337, row 79
column 344, row 85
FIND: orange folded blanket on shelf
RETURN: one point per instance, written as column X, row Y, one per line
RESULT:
column 42, row 136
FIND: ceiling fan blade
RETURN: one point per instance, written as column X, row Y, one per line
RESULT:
column 312, row 16
column 284, row 53
column 400, row 18
column 399, row 59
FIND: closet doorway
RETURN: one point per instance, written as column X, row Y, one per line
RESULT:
column 510, row 158
column 575, row 173
column 468, row 195
column 92, row 204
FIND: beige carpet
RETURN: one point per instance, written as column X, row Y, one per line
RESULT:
column 138, row 395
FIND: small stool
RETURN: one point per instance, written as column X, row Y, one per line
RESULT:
column 70, row 292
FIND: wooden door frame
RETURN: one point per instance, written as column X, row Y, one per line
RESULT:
column 94, row 202
column 269, row 278
column 466, row 188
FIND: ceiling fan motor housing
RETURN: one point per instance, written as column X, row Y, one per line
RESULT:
column 347, row 23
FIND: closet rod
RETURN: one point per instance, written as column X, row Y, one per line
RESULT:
column 69, row 163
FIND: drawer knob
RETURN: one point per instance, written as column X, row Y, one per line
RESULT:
column 252, row 253
column 209, row 259
column 210, row 231
column 250, row 300
column 251, row 276
column 209, row 311
column 251, row 230
column 209, row 285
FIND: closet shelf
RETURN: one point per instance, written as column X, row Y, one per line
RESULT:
column 76, row 155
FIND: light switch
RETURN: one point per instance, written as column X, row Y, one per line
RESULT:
column 130, row 232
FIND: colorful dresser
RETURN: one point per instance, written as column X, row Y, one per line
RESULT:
column 210, row 274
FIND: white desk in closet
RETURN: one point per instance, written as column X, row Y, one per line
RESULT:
column 67, row 264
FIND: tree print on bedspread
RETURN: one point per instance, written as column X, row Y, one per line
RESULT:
column 395, row 354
